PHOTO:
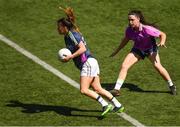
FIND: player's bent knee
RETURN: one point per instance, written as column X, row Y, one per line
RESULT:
column 158, row 66
column 83, row 91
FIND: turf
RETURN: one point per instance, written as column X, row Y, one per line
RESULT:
column 31, row 95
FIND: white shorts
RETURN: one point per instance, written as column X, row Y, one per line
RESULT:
column 90, row 68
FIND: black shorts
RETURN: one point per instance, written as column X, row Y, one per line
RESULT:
column 145, row 53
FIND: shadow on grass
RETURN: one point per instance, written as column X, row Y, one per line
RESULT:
column 62, row 110
column 131, row 87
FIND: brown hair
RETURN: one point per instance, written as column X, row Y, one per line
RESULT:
column 69, row 22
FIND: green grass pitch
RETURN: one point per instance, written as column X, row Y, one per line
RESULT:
column 30, row 95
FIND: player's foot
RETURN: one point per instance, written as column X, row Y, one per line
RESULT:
column 115, row 92
column 106, row 109
column 173, row 89
column 118, row 109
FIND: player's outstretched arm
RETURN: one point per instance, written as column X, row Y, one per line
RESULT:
column 121, row 45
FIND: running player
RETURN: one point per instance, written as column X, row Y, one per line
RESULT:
column 86, row 63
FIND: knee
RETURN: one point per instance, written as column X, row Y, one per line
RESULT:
column 157, row 66
column 83, row 91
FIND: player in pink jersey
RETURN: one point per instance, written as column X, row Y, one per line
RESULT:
column 143, row 35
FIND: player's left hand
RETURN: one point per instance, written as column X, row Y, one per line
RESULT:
column 67, row 58
column 161, row 45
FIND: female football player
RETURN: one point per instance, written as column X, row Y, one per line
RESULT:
column 143, row 34
column 86, row 63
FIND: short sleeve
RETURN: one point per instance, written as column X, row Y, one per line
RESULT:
column 152, row 31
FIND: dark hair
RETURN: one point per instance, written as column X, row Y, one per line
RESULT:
column 139, row 14
column 65, row 22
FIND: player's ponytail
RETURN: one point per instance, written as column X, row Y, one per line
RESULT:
column 70, row 21
column 70, row 14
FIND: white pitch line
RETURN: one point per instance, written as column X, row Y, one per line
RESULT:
column 130, row 119
column 60, row 74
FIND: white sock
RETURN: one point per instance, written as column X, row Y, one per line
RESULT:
column 102, row 101
column 119, row 83
column 170, row 83
column 115, row 102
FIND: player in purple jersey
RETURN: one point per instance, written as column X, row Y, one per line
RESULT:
column 86, row 63
column 143, row 35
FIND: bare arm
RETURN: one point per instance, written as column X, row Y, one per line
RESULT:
column 162, row 37
column 121, row 45
column 81, row 50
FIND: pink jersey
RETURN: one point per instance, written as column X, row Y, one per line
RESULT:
column 143, row 39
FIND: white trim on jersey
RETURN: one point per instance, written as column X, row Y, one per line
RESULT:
column 72, row 37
